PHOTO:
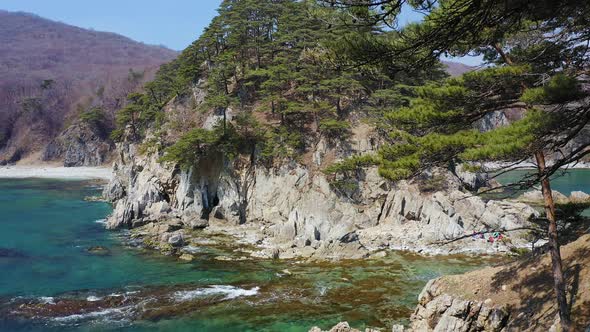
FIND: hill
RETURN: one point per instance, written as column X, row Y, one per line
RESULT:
column 52, row 72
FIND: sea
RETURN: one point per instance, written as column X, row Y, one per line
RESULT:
column 61, row 270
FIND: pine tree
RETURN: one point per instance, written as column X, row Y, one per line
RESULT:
column 536, row 72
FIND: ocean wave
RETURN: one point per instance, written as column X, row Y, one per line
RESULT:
column 93, row 298
column 123, row 311
column 101, row 221
column 47, row 300
column 229, row 292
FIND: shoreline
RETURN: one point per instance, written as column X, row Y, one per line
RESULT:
column 497, row 166
column 56, row 172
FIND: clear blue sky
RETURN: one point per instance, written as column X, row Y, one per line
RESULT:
column 173, row 23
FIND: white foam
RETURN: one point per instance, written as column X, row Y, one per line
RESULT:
column 230, row 292
column 92, row 298
column 47, row 300
column 101, row 221
column 191, row 249
column 94, row 314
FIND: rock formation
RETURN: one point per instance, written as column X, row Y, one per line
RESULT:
column 293, row 210
column 79, row 145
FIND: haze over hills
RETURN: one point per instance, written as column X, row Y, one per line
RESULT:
column 51, row 72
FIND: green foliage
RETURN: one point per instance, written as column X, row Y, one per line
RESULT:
column 352, row 164
column 190, row 147
column 571, row 211
column 279, row 143
column 244, row 135
column 333, row 128
column 96, row 118
column 560, row 89
column 436, row 128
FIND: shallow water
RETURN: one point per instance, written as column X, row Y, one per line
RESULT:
column 564, row 182
column 50, row 282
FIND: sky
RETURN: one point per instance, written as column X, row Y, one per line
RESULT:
column 171, row 23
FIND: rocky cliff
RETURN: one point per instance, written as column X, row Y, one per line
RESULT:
column 292, row 210
column 79, row 145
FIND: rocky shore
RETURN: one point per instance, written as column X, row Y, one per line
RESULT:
column 513, row 297
column 294, row 212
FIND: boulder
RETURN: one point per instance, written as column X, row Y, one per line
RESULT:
column 198, row 223
column 186, row 257
column 176, row 240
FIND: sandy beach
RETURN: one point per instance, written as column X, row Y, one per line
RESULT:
column 52, row 172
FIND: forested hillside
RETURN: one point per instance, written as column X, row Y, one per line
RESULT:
column 268, row 66
column 51, row 73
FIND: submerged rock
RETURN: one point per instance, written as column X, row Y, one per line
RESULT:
column 98, row 251
column 11, row 253
column 186, row 257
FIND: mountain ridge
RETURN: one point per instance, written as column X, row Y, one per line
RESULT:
column 52, row 72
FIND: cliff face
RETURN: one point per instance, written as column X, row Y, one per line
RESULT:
column 79, row 145
column 292, row 210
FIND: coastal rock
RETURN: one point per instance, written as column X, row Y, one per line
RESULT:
column 79, row 145
column 292, row 211
column 442, row 312
column 579, row 196
column 176, row 240
column 471, row 180
column 536, row 197
column 186, row 257
column 341, row 327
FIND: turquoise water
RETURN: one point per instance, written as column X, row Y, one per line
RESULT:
column 564, row 182
column 50, row 282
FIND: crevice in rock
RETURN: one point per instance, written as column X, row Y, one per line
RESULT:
column 381, row 211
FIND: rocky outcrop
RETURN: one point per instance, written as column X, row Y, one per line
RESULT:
column 516, row 296
column 79, row 145
column 536, row 197
column 437, row 311
column 293, row 211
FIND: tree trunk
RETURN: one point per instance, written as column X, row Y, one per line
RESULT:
column 559, row 286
